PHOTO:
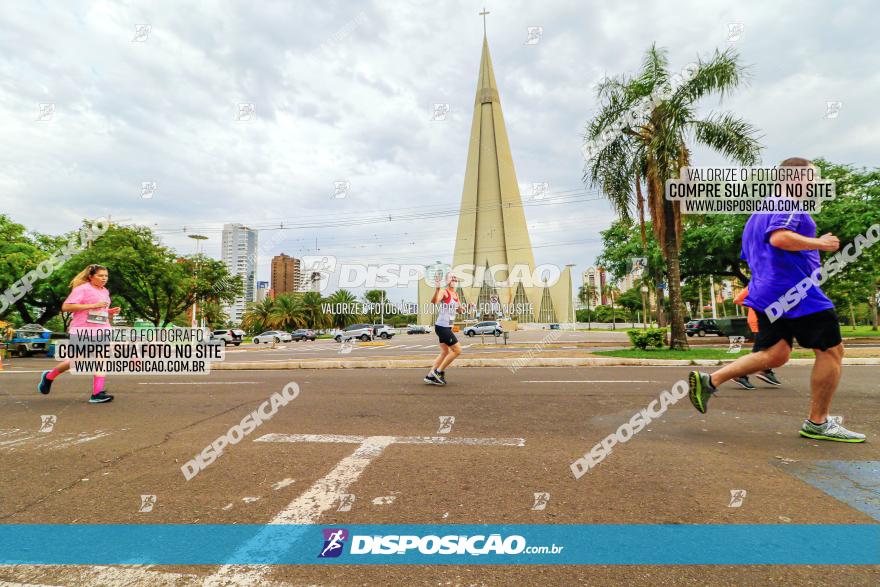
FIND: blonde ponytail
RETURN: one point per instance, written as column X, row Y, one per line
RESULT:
column 83, row 276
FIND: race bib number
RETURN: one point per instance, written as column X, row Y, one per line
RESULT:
column 98, row 317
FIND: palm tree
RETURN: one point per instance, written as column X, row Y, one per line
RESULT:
column 288, row 312
column 658, row 120
column 344, row 301
column 313, row 310
column 612, row 291
column 586, row 293
column 257, row 316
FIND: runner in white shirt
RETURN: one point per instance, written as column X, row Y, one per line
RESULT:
column 450, row 348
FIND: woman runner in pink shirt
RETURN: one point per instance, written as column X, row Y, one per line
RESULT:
column 89, row 301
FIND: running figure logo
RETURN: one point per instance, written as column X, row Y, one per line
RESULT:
column 736, row 343
column 541, row 500
column 334, row 540
column 147, row 503
column 446, row 423
column 47, row 422
column 737, row 496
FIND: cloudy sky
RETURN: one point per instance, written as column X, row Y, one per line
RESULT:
column 345, row 91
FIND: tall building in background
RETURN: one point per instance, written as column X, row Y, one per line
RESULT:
column 286, row 274
column 262, row 291
column 595, row 277
column 239, row 253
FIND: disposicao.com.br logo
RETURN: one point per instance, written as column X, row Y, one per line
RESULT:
column 476, row 545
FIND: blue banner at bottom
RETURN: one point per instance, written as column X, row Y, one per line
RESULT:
column 521, row 544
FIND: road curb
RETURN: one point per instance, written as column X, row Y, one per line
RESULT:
column 512, row 362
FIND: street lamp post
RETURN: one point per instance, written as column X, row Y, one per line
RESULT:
column 198, row 238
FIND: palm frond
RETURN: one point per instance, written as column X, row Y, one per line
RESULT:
column 731, row 136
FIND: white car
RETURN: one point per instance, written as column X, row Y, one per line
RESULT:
column 489, row 327
column 384, row 331
column 271, row 336
column 362, row 332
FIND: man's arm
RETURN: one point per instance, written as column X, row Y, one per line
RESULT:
column 788, row 240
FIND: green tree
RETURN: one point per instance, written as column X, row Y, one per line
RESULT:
column 343, row 301
column 313, row 310
column 652, row 144
column 586, row 293
column 375, row 297
column 257, row 316
column 855, row 208
column 157, row 284
column 288, row 312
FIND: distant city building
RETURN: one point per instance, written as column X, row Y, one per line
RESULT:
column 310, row 280
column 239, row 254
column 286, row 274
column 595, row 277
column 263, row 291
column 627, row 282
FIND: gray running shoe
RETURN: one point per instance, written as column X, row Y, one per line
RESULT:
column 700, row 388
column 744, row 382
column 830, row 430
column 768, row 376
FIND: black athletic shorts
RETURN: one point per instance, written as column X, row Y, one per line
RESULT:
column 820, row 330
column 445, row 334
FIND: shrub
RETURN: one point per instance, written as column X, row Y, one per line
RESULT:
column 642, row 339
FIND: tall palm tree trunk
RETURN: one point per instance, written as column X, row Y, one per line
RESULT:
column 678, row 335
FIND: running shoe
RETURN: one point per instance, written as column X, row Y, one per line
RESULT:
column 769, row 376
column 441, row 375
column 433, row 379
column 45, row 385
column 830, row 430
column 100, row 398
column 744, row 382
column 700, row 388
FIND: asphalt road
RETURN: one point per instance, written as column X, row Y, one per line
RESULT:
column 98, row 460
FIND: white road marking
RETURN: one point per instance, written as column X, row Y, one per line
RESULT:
column 250, row 499
column 283, row 483
column 384, row 500
column 588, row 381
column 325, row 493
column 351, row 439
column 199, row 383
column 50, row 441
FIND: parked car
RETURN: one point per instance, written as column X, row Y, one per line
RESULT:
column 417, row 330
column 360, row 331
column 490, row 327
column 383, row 331
column 233, row 336
column 271, row 336
column 303, row 334
column 702, row 327
column 28, row 340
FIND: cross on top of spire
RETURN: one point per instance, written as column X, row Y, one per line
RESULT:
column 483, row 14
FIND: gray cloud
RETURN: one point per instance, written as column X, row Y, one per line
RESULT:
column 345, row 92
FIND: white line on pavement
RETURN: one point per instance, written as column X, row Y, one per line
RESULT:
column 588, row 381
column 198, row 383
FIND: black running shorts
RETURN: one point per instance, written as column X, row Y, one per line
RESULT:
column 445, row 334
column 820, row 330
